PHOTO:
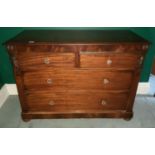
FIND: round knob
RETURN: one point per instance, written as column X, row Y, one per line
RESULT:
column 51, row 103
column 104, row 102
column 46, row 60
column 106, row 81
column 49, row 81
column 109, row 62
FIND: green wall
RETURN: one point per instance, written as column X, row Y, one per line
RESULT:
column 6, row 73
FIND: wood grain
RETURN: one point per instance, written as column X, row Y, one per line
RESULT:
column 41, row 60
column 99, row 60
column 78, row 79
column 74, row 80
column 49, row 100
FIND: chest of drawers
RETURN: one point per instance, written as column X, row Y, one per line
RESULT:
column 76, row 74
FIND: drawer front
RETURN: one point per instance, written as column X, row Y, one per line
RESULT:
column 101, row 60
column 78, row 79
column 41, row 60
column 75, row 100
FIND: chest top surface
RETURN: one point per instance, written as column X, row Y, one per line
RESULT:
column 77, row 36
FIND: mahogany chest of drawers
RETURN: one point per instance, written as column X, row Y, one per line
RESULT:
column 76, row 74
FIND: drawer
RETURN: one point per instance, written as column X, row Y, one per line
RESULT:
column 101, row 60
column 49, row 100
column 78, row 79
column 41, row 60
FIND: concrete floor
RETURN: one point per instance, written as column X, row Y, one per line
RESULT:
column 144, row 116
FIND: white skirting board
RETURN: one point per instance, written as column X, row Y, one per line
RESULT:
column 6, row 90
column 11, row 89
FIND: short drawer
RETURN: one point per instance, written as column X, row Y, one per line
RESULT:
column 41, row 60
column 48, row 100
column 102, row 60
column 78, row 79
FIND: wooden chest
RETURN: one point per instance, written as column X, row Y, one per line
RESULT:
column 74, row 74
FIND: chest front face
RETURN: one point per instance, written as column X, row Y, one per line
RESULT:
column 77, row 80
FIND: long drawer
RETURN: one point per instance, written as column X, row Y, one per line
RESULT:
column 49, row 100
column 104, row 60
column 42, row 60
column 78, row 79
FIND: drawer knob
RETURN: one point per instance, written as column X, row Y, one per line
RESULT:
column 109, row 62
column 49, row 81
column 51, row 103
column 104, row 102
column 46, row 60
column 106, row 81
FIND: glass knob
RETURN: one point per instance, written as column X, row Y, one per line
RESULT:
column 109, row 62
column 106, row 81
column 104, row 102
column 49, row 81
column 51, row 103
column 46, row 60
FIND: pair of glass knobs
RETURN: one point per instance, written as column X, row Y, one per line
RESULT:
column 47, row 61
column 105, row 81
column 103, row 102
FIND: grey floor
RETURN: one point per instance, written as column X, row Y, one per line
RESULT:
column 152, row 84
column 144, row 116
